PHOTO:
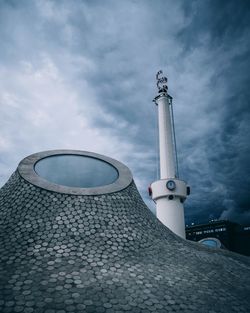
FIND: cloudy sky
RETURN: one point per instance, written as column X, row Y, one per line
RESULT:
column 81, row 75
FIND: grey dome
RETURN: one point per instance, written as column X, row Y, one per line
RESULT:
column 105, row 252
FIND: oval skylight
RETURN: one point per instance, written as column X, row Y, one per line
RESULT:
column 211, row 242
column 76, row 171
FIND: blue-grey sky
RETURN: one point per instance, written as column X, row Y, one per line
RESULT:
column 81, row 75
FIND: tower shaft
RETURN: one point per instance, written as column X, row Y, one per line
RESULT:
column 167, row 165
column 169, row 192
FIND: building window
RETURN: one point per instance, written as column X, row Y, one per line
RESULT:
column 208, row 231
column 211, row 242
column 76, row 171
column 220, row 229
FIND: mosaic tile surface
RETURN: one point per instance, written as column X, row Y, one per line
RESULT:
column 107, row 253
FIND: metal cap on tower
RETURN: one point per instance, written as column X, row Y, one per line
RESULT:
column 161, row 82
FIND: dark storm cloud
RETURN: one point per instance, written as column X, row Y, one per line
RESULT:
column 227, row 149
column 82, row 75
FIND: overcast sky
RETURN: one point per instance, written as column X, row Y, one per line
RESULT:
column 81, row 75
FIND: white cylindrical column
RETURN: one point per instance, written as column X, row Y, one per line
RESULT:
column 169, row 192
column 171, row 214
column 167, row 165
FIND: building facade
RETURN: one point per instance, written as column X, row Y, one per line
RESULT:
column 232, row 236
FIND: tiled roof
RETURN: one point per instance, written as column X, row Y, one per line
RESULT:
column 107, row 253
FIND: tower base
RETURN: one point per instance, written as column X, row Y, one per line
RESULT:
column 171, row 214
column 169, row 203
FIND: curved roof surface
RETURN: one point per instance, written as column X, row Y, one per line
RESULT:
column 106, row 253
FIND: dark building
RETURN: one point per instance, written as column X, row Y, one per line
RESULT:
column 76, row 236
column 232, row 236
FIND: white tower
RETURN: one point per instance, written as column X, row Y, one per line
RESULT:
column 169, row 192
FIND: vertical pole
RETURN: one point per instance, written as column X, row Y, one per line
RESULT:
column 174, row 137
column 167, row 166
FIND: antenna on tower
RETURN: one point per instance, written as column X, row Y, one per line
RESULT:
column 174, row 138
